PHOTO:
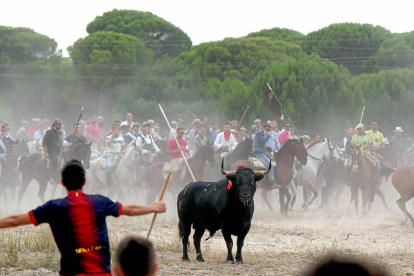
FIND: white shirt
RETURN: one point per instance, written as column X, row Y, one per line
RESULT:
column 148, row 140
column 125, row 123
column 220, row 141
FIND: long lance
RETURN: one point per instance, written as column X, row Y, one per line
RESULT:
column 80, row 117
column 281, row 106
column 178, row 144
column 189, row 111
column 362, row 115
column 241, row 120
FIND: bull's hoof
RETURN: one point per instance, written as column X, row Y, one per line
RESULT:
column 230, row 261
column 186, row 259
column 239, row 261
column 200, row 259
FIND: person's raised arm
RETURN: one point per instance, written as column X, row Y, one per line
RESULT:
column 15, row 220
column 139, row 210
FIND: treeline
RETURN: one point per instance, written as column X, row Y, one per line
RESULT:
column 131, row 61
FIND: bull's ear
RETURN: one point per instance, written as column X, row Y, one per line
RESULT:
column 258, row 177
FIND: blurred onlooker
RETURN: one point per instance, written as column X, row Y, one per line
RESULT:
column 213, row 133
column 156, row 133
column 180, row 122
column 344, row 267
column 203, row 120
column 173, row 131
column 100, row 120
column 22, row 131
column 82, row 125
column 135, row 256
column 42, row 130
column 129, row 120
column 284, row 134
column 242, row 132
column 8, row 130
column 32, row 129
column 93, row 133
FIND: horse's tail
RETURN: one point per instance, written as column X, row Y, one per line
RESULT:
column 20, row 162
column 386, row 172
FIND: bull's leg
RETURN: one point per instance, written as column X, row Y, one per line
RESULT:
column 229, row 243
column 266, row 200
column 198, row 234
column 240, row 243
column 185, row 231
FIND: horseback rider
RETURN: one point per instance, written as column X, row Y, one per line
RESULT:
column 397, row 144
column 75, row 137
column 347, row 140
column 175, row 158
column 193, row 133
column 259, row 149
column 146, row 142
column 201, row 138
column 133, row 134
column 366, row 142
column 272, row 144
column 225, row 141
column 378, row 140
column 4, row 143
column 52, row 148
column 114, row 147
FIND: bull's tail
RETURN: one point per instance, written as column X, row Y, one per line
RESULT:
column 20, row 162
column 180, row 230
column 386, row 172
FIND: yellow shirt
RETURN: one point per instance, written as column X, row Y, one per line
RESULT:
column 377, row 137
column 364, row 140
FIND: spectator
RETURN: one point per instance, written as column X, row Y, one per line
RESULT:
column 93, row 133
column 32, row 129
column 78, row 223
column 128, row 120
column 135, row 256
column 22, row 131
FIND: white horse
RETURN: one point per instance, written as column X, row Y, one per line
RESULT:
column 308, row 174
column 124, row 173
column 35, row 146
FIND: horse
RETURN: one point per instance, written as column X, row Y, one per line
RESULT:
column 362, row 179
column 35, row 167
column 403, row 181
column 23, row 148
column 154, row 175
column 123, row 173
column 283, row 171
column 9, row 173
column 317, row 155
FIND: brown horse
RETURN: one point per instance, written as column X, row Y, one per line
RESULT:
column 154, row 174
column 403, row 181
column 284, row 171
column 362, row 178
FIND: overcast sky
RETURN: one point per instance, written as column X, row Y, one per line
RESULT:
column 204, row 21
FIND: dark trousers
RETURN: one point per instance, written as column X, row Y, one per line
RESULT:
column 53, row 164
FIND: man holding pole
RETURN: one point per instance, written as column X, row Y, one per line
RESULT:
column 176, row 158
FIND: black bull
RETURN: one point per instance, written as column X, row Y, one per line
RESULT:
column 227, row 205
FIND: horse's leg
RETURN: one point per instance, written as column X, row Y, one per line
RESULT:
column 281, row 200
column 325, row 190
column 285, row 192
column 337, row 194
column 381, row 195
column 25, row 184
column 264, row 194
column 42, row 189
column 294, row 191
column 401, row 203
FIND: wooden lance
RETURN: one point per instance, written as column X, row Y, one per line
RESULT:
column 178, row 144
column 189, row 111
column 159, row 199
column 362, row 115
column 241, row 120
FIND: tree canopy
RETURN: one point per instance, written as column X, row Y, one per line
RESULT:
column 162, row 37
column 281, row 34
column 348, row 44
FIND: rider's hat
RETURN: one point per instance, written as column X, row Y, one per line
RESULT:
column 242, row 128
column 57, row 121
column 359, row 126
column 398, row 129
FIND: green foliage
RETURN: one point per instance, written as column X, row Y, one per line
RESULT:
column 236, row 58
column 396, row 52
column 348, row 44
column 315, row 92
column 162, row 37
column 281, row 34
column 22, row 45
column 388, row 96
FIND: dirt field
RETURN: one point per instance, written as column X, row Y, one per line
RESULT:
column 274, row 246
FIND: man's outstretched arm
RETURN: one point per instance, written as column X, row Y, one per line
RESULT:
column 15, row 220
column 139, row 210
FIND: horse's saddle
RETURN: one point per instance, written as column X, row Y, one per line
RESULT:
column 60, row 163
column 102, row 162
column 257, row 164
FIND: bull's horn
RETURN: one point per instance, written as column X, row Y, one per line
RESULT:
column 223, row 172
column 263, row 172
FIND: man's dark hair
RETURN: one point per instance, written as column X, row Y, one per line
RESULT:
column 117, row 122
column 316, row 134
column 135, row 256
column 228, row 124
column 180, row 129
column 75, row 124
column 374, row 121
column 286, row 124
column 124, row 127
column 146, row 125
column 73, row 175
column 266, row 125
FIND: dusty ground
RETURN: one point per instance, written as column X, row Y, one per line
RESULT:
column 274, row 246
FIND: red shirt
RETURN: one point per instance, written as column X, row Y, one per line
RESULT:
column 31, row 131
column 95, row 131
column 172, row 145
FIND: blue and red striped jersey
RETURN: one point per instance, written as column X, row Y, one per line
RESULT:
column 78, row 224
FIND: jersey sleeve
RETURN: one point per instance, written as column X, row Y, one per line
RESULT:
column 42, row 214
column 112, row 207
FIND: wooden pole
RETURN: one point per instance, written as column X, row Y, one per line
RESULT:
column 178, row 144
column 241, row 120
column 189, row 111
column 159, row 199
column 362, row 115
